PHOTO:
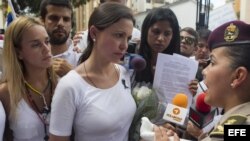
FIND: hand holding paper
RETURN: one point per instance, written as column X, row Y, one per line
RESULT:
column 172, row 75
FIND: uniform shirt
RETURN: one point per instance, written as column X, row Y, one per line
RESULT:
column 242, row 109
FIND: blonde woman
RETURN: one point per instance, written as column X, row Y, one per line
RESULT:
column 28, row 80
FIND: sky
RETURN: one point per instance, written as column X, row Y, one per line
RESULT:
column 218, row 3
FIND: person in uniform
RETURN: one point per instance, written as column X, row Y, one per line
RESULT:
column 228, row 76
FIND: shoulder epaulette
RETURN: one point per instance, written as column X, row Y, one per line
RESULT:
column 232, row 120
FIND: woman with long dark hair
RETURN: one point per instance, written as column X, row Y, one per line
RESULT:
column 160, row 34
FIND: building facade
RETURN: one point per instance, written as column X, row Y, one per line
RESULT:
column 83, row 12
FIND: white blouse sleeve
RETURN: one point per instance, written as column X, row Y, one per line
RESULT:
column 63, row 109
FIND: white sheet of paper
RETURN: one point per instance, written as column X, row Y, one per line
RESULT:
column 173, row 73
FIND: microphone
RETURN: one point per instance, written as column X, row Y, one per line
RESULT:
column 201, row 114
column 180, row 100
column 134, row 61
column 177, row 112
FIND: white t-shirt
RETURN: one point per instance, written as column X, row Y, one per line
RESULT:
column 71, row 56
column 27, row 126
column 95, row 114
column 136, row 35
column 2, row 120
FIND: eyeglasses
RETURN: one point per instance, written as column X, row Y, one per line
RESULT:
column 188, row 40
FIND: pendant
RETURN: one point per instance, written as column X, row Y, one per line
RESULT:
column 45, row 115
column 46, row 110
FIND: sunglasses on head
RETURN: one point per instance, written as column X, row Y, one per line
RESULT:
column 188, row 40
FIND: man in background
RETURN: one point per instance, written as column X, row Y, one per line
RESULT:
column 57, row 17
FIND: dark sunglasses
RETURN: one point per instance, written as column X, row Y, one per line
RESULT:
column 188, row 40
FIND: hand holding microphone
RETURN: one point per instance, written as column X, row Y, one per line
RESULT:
column 201, row 114
column 177, row 112
column 193, row 130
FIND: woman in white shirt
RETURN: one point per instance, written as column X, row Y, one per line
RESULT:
column 95, row 99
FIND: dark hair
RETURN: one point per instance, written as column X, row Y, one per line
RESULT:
column 192, row 32
column 45, row 3
column 239, row 54
column 203, row 34
column 104, row 16
column 155, row 15
column 102, row 1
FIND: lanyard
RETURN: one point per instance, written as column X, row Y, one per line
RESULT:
column 42, row 115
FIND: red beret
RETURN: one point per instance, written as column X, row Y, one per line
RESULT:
column 230, row 34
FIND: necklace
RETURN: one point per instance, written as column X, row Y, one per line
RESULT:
column 41, row 94
column 88, row 75
column 44, row 114
column 90, row 80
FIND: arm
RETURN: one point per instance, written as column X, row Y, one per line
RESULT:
column 77, row 37
column 63, row 109
column 80, row 41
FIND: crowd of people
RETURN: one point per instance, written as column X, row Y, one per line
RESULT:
column 57, row 89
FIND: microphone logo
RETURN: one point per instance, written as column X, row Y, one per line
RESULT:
column 176, row 111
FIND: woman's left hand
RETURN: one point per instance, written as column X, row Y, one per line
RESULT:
column 161, row 134
column 168, row 126
column 193, row 86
